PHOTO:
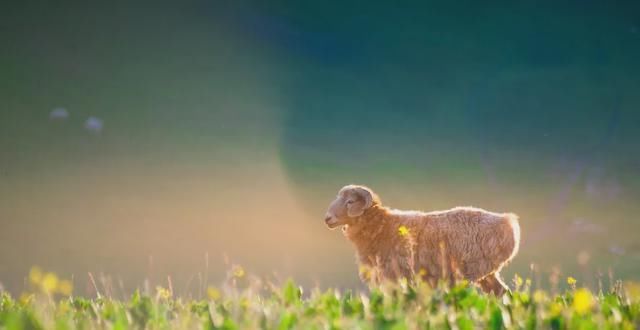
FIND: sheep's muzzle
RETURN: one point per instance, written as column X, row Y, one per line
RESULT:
column 331, row 222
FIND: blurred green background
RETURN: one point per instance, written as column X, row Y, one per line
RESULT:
column 141, row 139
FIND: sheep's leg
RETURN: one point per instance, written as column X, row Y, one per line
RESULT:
column 493, row 284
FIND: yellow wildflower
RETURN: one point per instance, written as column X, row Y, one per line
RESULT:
column 63, row 309
column 238, row 271
column 365, row 272
column 49, row 283
column 26, row 299
column 65, row 287
column 163, row 293
column 539, row 296
column 244, row 302
column 582, row 301
column 518, row 280
column 403, row 231
column 213, row 293
column 633, row 289
column 35, row 275
column 555, row 308
column 571, row 281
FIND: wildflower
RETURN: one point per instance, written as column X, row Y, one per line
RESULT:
column 571, row 281
column 633, row 289
column 539, row 296
column 365, row 272
column 582, row 301
column 63, row 308
column 26, row 299
column 555, row 308
column 517, row 280
column 49, row 283
column 35, row 275
column 238, row 272
column 65, row 288
column 163, row 293
column 213, row 293
column 403, row 231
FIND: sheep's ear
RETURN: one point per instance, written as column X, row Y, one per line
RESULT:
column 358, row 208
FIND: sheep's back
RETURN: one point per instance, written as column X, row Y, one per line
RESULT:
column 475, row 241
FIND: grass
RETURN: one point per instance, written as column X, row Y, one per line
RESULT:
column 245, row 302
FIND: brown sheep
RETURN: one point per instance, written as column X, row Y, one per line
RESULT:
column 463, row 242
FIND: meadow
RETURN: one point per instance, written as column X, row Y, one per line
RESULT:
column 247, row 302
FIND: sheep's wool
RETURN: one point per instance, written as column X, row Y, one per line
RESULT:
column 461, row 243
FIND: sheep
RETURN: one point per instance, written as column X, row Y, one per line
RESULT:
column 460, row 243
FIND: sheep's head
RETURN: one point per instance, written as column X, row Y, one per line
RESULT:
column 352, row 201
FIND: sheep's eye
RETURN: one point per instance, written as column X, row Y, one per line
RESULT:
column 349, row 202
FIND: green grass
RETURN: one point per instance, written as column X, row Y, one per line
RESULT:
column 245, row 302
